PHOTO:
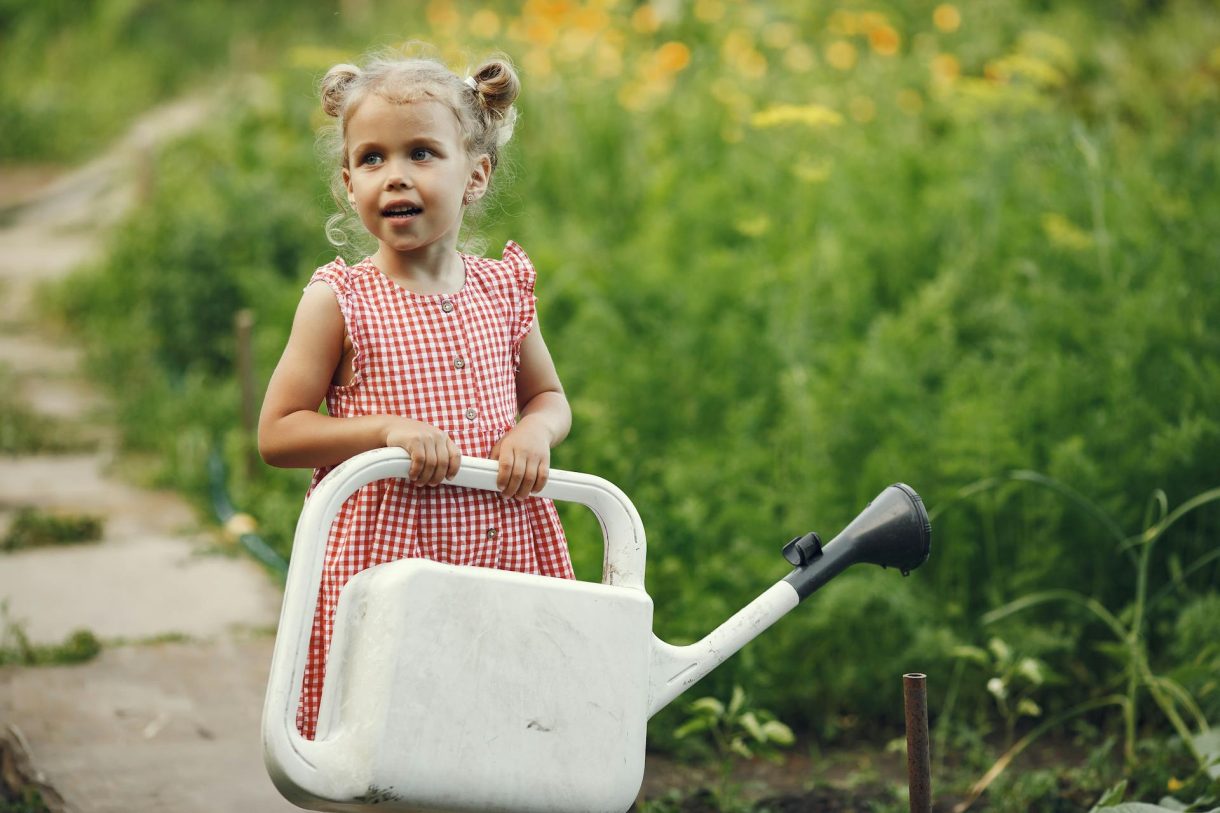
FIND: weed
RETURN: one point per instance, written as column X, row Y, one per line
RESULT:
column 17, row 649
column 735, row 731
column 32, row 528
column 1128, row 626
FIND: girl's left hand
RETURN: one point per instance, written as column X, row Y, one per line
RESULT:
column 524, row 454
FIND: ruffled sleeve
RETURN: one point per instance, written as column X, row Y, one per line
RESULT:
column 524, row 277
column 337, row 276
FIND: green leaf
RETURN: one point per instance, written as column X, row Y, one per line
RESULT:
column 1029, row 708
column 692, row 726
column 778, row 733
column 750, row 723
column 708, row 705
column 738, row 700
column 971, row 653
column 1208, row 744
column 1112, row 796
column 739, row 747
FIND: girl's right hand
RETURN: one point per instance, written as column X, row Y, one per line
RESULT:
column 434, row 455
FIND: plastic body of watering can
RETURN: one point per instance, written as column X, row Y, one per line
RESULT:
column 468, row 689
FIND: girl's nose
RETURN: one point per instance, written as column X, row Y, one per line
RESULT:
column 399, row 176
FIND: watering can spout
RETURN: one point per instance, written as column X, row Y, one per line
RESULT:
column 892, row 531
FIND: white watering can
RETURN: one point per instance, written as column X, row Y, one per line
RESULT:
column 468, row 689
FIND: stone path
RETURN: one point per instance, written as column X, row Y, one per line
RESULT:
column 167, row 717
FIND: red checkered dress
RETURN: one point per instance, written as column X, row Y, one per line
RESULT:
column 449, row 360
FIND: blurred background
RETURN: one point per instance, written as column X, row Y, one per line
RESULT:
column 789, row 253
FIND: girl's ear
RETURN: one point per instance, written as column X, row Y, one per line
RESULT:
column 480, row 175
column 347, row 184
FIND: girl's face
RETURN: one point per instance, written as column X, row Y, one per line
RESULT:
column 407, row 174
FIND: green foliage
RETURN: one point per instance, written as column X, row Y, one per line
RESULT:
column 23, row 431
column 32, row 528
column 77, row 71
column 30, row 801
column 734, row 731
column 16, row 647
column 1013, row 681
column 774, row 282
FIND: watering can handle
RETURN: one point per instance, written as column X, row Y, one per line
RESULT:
column 283, row 745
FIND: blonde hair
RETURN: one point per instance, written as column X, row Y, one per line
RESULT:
column 483, row 105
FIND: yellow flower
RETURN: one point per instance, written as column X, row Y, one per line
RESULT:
column 910, row 102
column 945, row 68
column 1021, row 66
column 607, row 61
column 442, row 15
column 1174, row 784
column 779, row 35
column 709, row 11
column 537, row 64
column 1048, row 48
column 541, row 32
column 862, row 109
column 810, row 115
column 947, row 18
column 841, row 55
column 800, row 58
column 884, row 40
column 485, row 23
column 645, row 19
column 843, row 24
column 868, row 20
column 672, row 57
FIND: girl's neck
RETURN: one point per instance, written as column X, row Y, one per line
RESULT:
column 435, row 269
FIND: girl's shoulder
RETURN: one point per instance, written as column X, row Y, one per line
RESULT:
column 338, row 274
column 514, row 269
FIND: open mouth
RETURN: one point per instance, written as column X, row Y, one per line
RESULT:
column 402, row 212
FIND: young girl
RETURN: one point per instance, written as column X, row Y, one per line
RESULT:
column 420, row 346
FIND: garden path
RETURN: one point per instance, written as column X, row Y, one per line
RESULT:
column 167, row 716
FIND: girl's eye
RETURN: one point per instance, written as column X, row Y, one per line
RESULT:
column 371, row 159
column 420, row 153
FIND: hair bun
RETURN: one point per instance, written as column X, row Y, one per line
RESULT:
column 335, row 86
column 497, row 85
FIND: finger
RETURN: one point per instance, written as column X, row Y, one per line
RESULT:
column 516, row 477
column 529, row 483
column 428, row 470
column 442, row 463
column 544, row 475
column 504, row 470
column 416, row 451
column 455, row 458
column 495, row 450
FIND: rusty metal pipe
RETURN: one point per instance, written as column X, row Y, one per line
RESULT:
column 919, row 756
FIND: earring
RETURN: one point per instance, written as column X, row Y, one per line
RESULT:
column 469, row 198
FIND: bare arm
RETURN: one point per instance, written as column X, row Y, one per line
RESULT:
column 291, row 431
column 525, row 452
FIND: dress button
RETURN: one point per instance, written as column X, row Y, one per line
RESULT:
column 458, row 362
column 471, row 414
column 491, row 533
column 447, row 305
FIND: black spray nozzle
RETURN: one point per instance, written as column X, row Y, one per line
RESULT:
column 892, row 531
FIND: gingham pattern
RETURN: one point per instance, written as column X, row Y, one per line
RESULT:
column 449, row 360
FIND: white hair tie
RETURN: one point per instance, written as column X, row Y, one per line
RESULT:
column 471, row 82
